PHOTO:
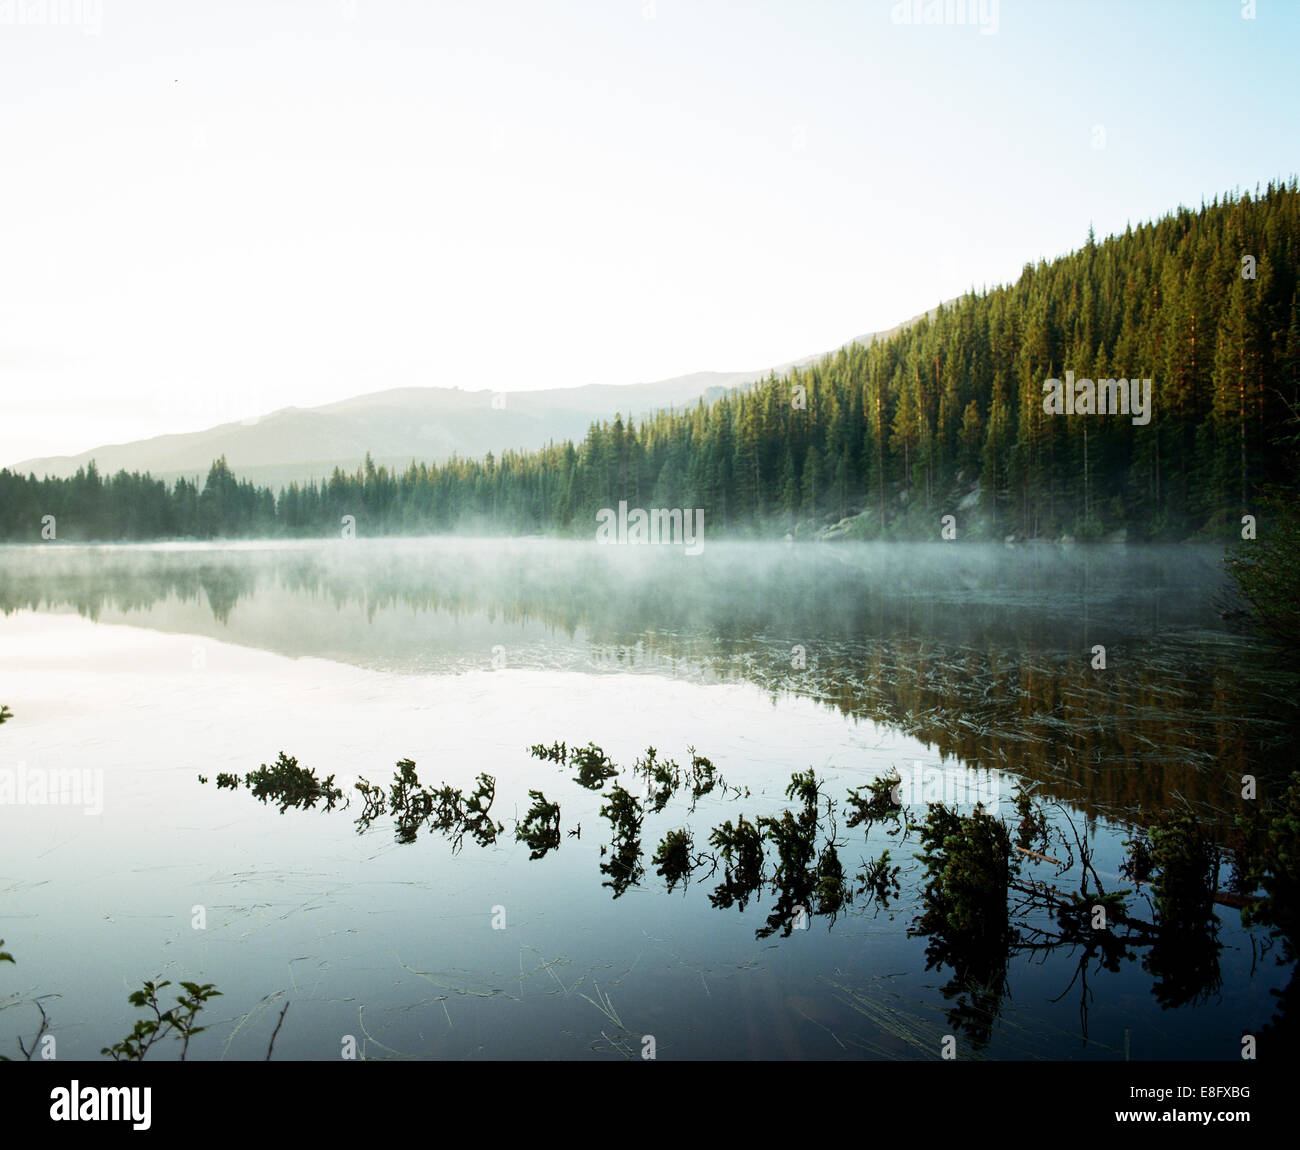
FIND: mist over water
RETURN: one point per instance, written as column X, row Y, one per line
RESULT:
column 970, row 592
column 155, row 664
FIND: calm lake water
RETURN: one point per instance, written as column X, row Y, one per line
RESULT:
column 968, row 668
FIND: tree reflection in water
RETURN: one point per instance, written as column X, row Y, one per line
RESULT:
column 981, row 899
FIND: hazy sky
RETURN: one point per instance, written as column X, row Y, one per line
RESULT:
column 214, row 210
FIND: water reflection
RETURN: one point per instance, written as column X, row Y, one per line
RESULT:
column 978, row 906
column 984, row 654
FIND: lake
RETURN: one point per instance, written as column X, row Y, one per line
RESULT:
column 971, row 671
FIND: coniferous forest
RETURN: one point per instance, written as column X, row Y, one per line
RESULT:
column 945, row 417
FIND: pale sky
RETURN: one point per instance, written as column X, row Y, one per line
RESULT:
column 210, row 211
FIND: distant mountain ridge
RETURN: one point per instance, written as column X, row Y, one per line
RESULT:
column 396, row 426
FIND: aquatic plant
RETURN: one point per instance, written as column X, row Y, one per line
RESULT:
column 969, row 865
column 663, row 778
column 625, row 815
column 374, row 801
column 540, row 828
column 975, row 908
column 880, row 880
column 829, row 889
column 594, row 767
column 878, row 804
column 703, row 777
column 284, row 782
column 27, row 1053
column 741, row 848
column 672, row 858
column 477, row 819
column 1184, row 866
column 451, row 812
column 1180, row 861
column 178, row 1020
column 1032, row 832
column 556, row 753
column 796, row 881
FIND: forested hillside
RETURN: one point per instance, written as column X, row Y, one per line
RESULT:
column 944, row 417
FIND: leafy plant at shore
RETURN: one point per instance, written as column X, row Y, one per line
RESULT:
column 178, row 1020
column 27, row 1053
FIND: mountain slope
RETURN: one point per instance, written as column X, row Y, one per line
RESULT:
column 397, row 426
